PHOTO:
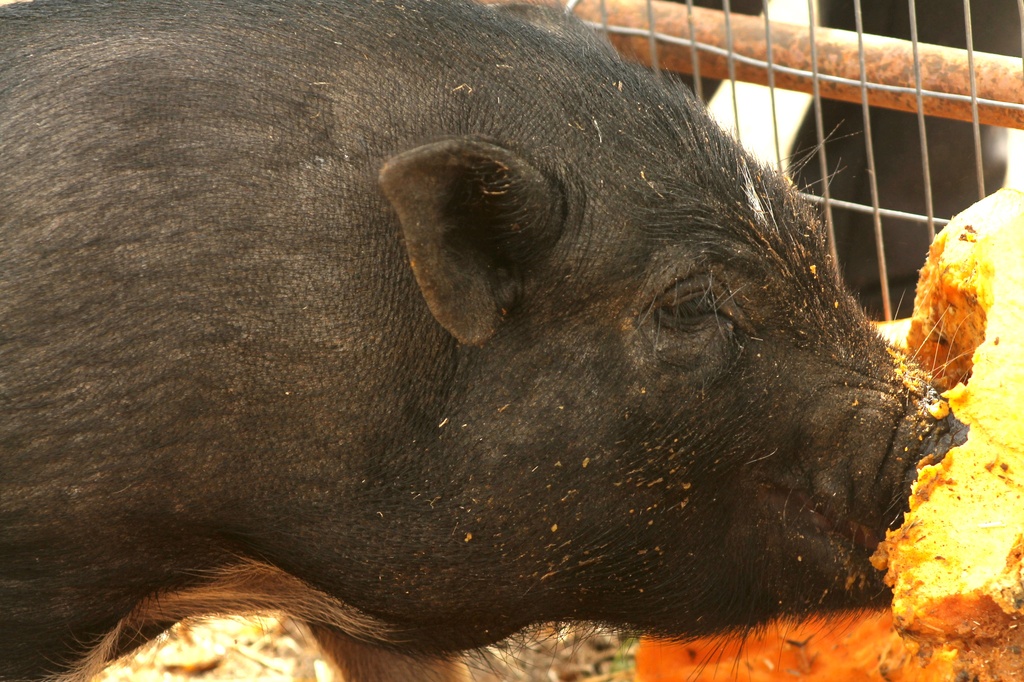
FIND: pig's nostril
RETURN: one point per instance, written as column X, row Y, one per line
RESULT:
column 949, row 433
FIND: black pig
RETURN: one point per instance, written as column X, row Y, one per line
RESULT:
column 422, row 322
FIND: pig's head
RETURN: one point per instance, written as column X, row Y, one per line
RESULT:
column 665, row 409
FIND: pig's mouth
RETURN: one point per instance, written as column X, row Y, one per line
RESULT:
column 822, row 525
column 821, row 519
column 804, row 512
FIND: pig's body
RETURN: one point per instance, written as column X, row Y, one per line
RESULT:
column 620, row 381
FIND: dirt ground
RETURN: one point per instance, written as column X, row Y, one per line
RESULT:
column 272, row 650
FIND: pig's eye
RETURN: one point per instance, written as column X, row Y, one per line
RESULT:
column 693, row 326
column 689, row 305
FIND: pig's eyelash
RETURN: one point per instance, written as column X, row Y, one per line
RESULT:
column 692, row 303
column 686, row 302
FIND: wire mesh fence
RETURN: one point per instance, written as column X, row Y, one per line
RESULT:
column 892, row 115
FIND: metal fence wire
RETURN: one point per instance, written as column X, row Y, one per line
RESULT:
column 892, row 115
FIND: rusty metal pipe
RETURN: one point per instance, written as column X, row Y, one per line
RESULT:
column 889, row 62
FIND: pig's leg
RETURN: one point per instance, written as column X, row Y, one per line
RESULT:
column 359, row 662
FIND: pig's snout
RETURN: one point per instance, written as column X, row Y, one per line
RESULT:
column 928, row 433
column 948, row 432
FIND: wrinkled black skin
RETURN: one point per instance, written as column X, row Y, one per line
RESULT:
column 212, row 344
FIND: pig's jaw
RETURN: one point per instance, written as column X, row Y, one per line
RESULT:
column 829, row 526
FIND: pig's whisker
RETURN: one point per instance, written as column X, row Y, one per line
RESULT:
column 763, row 457
column 935, row 326
column 896, row 313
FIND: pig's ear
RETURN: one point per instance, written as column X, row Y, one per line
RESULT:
column 474, row 215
